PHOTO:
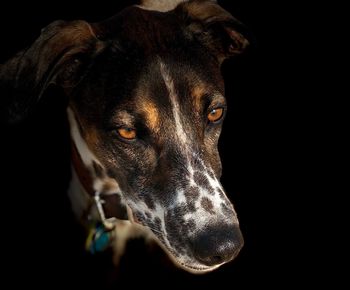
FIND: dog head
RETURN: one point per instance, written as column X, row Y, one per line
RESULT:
column 146, row 106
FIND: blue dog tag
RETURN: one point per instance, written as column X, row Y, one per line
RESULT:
column 99, row 239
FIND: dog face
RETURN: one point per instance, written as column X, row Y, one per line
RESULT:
column 159, row 142
column 147, row 105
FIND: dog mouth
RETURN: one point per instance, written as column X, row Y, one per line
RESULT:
column 199, row 270
column 193, row 267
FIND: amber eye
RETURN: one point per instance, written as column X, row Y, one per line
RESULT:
column 215, row 114
column 127, row 133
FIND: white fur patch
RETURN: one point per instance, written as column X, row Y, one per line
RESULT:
column 169, row 83
column 86, row 155
column 160, row 5
column 201, row 216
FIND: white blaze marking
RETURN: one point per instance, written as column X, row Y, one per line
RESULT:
column 169, row 83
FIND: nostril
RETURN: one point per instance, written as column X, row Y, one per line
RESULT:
column 217, row 245
column 212, row 254
column 217, row 259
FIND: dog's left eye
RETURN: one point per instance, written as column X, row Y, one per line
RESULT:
column 215, row 114
column 127, row 133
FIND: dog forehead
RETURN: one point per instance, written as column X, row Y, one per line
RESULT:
column 166, row 95
column 190, row 79
column 129, row 77
column 149, row 30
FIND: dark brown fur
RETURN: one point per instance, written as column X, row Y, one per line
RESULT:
column 126, row 72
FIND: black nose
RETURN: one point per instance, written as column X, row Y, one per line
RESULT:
column 218, row 244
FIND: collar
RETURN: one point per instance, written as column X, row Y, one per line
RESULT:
column 108, row 205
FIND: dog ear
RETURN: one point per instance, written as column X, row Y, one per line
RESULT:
column 214, row 27
column 58, row 57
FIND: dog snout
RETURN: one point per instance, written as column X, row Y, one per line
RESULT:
column 217, row 245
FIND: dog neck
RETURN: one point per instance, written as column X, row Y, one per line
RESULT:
column 110, row 203
column 94, row 199
column 82, row 196
column 82, row 172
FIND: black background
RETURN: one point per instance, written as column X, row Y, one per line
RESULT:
column 259, row 156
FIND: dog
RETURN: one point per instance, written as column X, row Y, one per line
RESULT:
column 145, row 108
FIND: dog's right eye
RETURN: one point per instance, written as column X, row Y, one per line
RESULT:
column 127, row 133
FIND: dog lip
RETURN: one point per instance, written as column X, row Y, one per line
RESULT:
column 199, row 270
column 190, row 268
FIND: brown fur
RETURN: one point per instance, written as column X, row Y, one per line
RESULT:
column 158, row 74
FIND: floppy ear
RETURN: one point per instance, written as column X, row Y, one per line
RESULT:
column 214, row 27
column 58, row 56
